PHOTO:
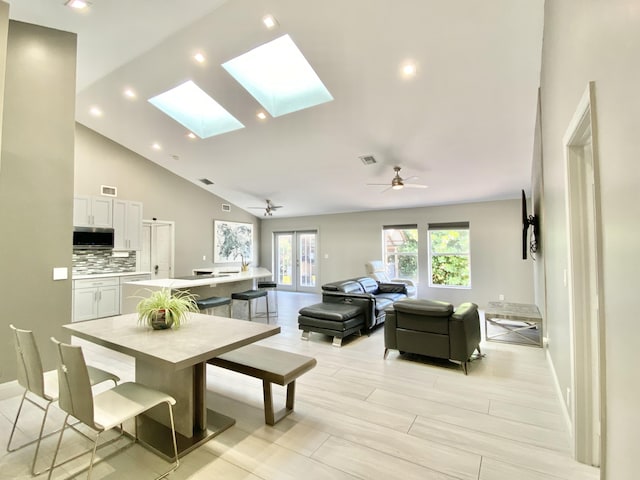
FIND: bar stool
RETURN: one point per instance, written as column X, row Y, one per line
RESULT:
column 206, row 305
column 270, row 287
column 249, row 296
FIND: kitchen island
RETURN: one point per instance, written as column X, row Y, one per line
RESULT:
column 218, row 282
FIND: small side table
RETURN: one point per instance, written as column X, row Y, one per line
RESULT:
column 513, row 319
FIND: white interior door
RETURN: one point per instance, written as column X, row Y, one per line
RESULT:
column 157, row 249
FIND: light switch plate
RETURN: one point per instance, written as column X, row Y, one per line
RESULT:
column 60, row 273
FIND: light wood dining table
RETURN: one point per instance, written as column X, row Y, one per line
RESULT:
column 174, row 361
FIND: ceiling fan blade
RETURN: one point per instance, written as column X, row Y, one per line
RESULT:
column 415, row 185
column 377, row 184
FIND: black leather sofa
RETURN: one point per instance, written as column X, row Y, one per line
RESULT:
column 349, row 306
column 433, row 329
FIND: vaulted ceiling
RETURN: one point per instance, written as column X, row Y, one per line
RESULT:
column 463, row 124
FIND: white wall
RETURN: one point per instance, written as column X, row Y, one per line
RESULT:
column 100, row 161
column 351, row 239
column 598, row 40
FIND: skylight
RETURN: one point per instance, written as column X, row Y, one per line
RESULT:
column 279, row 77
column 190, row 106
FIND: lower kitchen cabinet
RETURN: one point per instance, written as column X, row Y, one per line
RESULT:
column 96, row 298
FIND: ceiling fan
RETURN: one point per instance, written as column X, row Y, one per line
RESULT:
column 398, row 183
column 269, row 209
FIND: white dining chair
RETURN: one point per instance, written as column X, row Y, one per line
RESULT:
column 40, row 384
column 105, row 410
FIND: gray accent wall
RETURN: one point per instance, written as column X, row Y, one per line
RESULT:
column 347, row 241
column 597, row 41
column 36, row 186
column 165, row 196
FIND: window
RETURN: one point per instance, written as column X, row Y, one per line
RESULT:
column 449, row 255
column 401, row 251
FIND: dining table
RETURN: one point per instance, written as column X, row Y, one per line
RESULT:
column 174, row 361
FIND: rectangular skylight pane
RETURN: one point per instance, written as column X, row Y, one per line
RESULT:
column 190, row 106
column 279, row 77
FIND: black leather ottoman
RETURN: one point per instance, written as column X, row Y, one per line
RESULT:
column 335, row 319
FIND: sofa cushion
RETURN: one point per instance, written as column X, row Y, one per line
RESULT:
column 369, row 285
column 337, row 312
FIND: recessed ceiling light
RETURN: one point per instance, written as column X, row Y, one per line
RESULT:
column 279, row 77
column 194, row 109
column 409, row 69
column 199, row 57
column 270, row 21
column 261, row 115
column 129, row 93
column 156, row 146
column 79, row 4
column 191, row 135
column 95, row 111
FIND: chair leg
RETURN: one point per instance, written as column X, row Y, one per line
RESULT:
column 305, row 335
column 93, row 456
column 35, row 455
column 386, row 352
column 55, row 454
column 15, row 422
column 266, row 301
column 464, row 367
column 175, row 445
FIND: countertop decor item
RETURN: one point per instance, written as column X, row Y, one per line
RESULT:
column 163, row 308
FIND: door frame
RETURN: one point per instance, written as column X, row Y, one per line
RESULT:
column 585, row 288
column 170, row 224
column 295, row 287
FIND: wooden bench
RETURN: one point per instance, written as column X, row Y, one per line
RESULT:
column 271, row 366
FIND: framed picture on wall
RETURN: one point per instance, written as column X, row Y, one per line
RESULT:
column 232, row 241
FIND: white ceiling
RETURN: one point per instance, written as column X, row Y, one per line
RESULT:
column 463, row 125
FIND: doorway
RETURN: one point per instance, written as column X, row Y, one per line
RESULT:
column 157, row 252
column 585, row 288
column 295, row 260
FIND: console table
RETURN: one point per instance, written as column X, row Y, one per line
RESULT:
column 513, row 319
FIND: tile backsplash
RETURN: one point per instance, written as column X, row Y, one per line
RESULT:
column 89, row 262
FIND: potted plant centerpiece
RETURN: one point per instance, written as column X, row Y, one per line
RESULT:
column 163, row 308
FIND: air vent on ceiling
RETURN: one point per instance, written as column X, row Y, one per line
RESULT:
column 368, row 159
column 109, row 191
column 206, row 181
column 226, row 207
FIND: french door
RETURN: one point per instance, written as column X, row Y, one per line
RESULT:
column 294, row 257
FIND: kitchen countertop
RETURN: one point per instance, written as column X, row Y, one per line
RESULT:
column 216, row 277
column 106, row 275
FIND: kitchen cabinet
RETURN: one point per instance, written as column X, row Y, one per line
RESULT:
column 131, row 278
column 96, row 298
column 92, row 211
column 127, row 225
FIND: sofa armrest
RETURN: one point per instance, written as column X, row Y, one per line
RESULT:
column 392, row 288
column 366, row 300
column 464, row 332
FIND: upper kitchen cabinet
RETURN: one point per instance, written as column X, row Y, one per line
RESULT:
column 92, row 211
column 127, row 225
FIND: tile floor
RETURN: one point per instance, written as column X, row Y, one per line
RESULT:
column 357, row 416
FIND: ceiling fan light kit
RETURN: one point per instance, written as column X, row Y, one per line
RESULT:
column 269, row 209
column 397, row 182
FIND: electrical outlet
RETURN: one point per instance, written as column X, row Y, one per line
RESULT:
column 204, row 257
column 501, row 297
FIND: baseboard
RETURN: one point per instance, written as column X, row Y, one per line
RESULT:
column 565, row 409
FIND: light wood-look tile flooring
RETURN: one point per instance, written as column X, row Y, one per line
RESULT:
column 357, row 416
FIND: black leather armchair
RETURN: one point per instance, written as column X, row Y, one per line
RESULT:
column 434, row 329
